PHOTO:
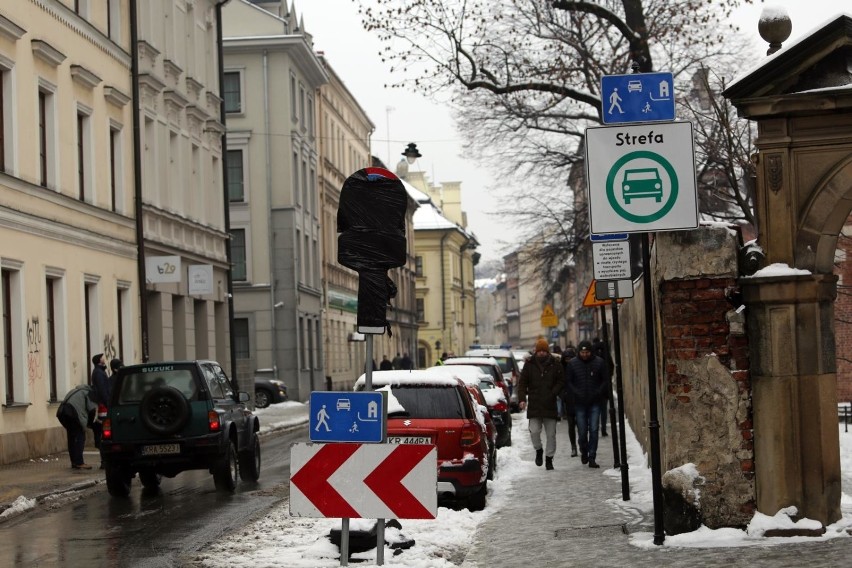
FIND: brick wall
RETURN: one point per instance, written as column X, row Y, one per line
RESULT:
column 706, row 398
column 843, row 319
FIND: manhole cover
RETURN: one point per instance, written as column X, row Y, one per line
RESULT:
column 597, row 531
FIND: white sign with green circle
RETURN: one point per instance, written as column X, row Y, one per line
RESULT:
column 641, row 178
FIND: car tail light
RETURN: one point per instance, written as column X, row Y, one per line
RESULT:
column 500, row 407
column 213, row 423
column 107, row 429
column 470, row 435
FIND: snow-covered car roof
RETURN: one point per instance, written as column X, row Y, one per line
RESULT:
column 471, row 361
column 403, row 377
column 467, row 373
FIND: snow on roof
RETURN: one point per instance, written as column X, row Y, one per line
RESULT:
column 467, row 373
column 396, row 378
column 774, row 14
column 778, row 269
column 415, row 193
column 471, row 361
column 428, row 216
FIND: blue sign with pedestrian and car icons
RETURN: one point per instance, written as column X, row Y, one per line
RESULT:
column 638, row 97
column 345, row 416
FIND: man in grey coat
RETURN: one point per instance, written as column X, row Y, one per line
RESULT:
column 76, row 412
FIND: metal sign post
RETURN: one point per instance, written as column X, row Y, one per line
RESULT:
column 612, row 425
column 619, row 391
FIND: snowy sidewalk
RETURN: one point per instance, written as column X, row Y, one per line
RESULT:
column 572, row 516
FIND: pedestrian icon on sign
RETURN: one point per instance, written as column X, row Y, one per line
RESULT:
column 322, row 418
column 614, row 100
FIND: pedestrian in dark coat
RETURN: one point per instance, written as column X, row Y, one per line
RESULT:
column 601, row 349
column 587, row 378
column 541, row 382
column 406, row 363
column 76, row 412
column 568, row 400
column 101, row 388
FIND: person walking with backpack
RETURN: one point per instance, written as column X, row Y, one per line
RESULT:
column 540, row 384
column 587, row 377
column 75, row 413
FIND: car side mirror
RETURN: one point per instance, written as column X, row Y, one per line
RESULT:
column 244, row 396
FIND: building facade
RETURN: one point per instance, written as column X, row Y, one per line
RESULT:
column 182, row 193
column 444, row 262
column 344, row 148
column 272, row 77
column 68, row 258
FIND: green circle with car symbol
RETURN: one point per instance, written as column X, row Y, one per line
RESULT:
column 641, row 183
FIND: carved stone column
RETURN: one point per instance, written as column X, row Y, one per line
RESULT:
column 794, row 381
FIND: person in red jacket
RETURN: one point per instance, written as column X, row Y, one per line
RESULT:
column 540, row 384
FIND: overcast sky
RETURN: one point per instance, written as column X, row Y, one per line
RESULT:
column 401, row 117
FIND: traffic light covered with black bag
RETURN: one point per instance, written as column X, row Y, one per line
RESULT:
column 371, row 240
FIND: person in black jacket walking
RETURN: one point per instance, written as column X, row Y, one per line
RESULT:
column 568, row 400
column 540, row 384
column 587, row 377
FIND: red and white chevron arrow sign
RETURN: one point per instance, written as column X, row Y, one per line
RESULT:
column 366, row 481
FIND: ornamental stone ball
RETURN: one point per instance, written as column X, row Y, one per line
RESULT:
column 774, row 27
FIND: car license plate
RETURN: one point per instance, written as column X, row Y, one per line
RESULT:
column 160, row 449
column 409, row 440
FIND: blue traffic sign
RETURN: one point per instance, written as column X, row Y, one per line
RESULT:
column 608, row 237
column 638, row 97
column 344, row 416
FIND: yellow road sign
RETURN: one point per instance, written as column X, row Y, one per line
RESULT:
column 548, row 317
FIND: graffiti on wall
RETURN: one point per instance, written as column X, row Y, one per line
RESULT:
column 109, row 348
column 34, row 369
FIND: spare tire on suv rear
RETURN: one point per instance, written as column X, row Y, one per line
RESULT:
column 164, row 410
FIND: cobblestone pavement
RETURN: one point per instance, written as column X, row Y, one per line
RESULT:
column 572, row 517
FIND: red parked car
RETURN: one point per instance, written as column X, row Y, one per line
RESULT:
column 426, row 407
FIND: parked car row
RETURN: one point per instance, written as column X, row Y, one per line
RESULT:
column 462, row 411
column 505, row 358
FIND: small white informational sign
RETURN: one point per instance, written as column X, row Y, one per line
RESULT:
column 611, row 260
column 200, row 279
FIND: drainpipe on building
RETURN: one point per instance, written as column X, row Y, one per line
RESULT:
column 443, row 296
column 271, row 243
column 137, row 181
column 227, row 205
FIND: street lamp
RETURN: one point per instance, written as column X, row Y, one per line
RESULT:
column 411, row 153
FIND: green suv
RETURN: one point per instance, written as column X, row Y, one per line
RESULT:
column 169, row 417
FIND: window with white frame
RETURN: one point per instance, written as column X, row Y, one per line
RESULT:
column 82, row 7
column 46, row 135
column 239, row 257
column 6, row 116
column 302, row 115
column 236, row 173
column 232, row 92
column 85, row 155
column 11, row 298
column 296, row 192
column 116, row 175
column 293, row 110
column 114, row 20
